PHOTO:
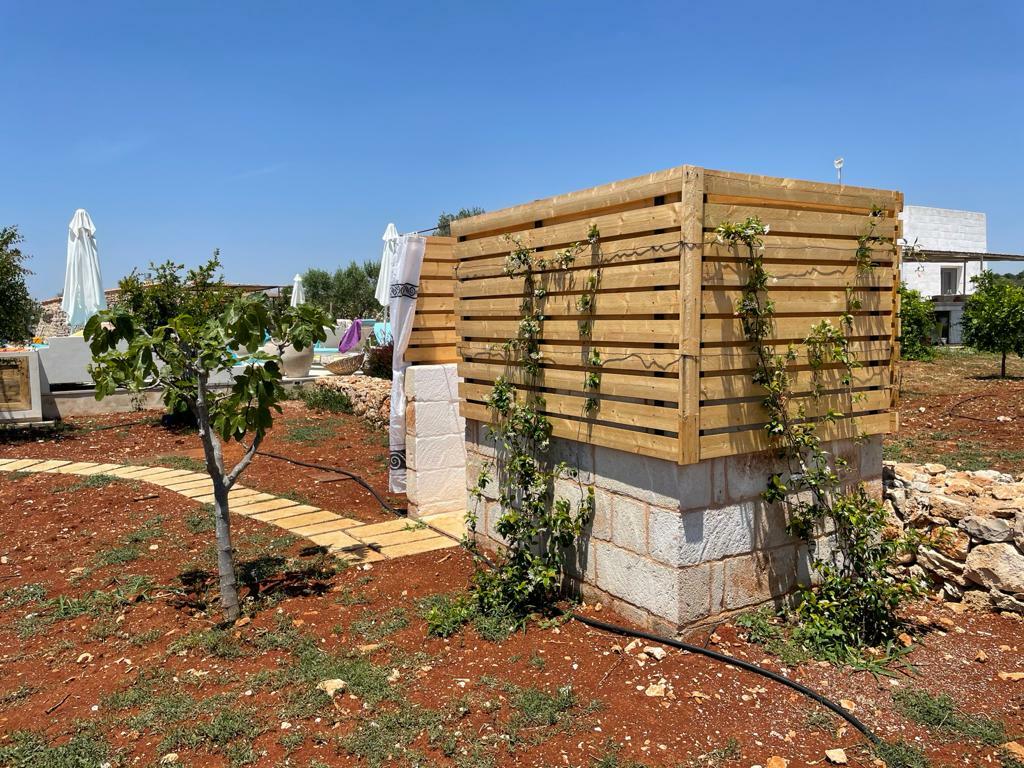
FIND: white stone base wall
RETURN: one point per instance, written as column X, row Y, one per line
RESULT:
column 435, row 449
column 673, row 547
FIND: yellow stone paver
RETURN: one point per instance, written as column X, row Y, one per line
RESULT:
column 281, row 515
column 336, row 540
column 399, row 537
column 390, row 526
column 294, row 522
column 20, row 464
column 99, row 469
column 352, row 539
column 417, row 547
column 75, row 468
column 335, row 524
column 48, row 466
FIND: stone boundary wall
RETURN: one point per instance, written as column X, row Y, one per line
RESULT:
column 435, row 451
column 972, row 525
column 370, row 396
column 673, row 547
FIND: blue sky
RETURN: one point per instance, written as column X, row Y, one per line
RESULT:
column 289, row 134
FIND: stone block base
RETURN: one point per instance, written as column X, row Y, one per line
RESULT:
column 674, row 547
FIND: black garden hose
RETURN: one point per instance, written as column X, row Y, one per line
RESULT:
column 615, row 628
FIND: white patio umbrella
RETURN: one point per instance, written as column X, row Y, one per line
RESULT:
column 391, row 239
column 83, row 286
column 298, row 292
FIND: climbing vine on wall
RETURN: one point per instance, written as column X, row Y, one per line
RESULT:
column 856, row 598
column 538, row 526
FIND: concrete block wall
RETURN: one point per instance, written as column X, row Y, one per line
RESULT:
column 435, row 449
column 674, row 547
column 942, row 229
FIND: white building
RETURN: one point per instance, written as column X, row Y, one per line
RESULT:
column 946, row 248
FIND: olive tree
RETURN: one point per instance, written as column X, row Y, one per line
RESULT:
column 993, row 319
column 183, row 356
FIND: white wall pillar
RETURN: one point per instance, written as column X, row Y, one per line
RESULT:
column 435, row 441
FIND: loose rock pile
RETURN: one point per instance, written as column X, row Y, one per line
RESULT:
column 371, row 397
column 972, row 524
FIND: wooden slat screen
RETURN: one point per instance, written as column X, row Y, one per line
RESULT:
column 675, row 365
column 433, row 329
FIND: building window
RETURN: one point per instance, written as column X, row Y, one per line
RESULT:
column 950, row 280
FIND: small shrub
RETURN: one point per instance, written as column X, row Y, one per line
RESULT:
column 447, row 614
column 917, row 324
column 319, row 398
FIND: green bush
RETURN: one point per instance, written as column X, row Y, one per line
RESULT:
column 917, row 322
column 378, row 361
column 326, row 399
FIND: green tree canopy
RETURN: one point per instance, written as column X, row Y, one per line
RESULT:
column 346, row 293
column 183, row 355
column 444, row 221
column 18, row 311
column 155, row 297
column 993, row 319
column 917, row 323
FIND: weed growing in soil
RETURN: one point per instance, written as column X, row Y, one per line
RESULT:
column 216, row 642
column 22, row 595
column 899, row 754
column 88, row 482
column 385, row 738
column 447, row 614
column 326, row 399
column 373, row 626
column 226, row 732
column 201, row 520
column 32, row 750
column 611, row 758
column 942, row 713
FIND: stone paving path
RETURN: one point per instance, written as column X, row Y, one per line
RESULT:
column 348, row 538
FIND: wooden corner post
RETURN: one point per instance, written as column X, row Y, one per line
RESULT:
column 691, row 256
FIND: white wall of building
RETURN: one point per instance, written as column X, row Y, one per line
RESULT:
column 942, row 229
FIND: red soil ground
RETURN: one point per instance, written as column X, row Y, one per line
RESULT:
column 457, row 702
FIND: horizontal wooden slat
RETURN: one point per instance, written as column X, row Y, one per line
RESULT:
column 714, row 417
column 620, row 277
column 660, row 388
column 431, row 355
column 796, row 190
column 725, row 301
column 630, row 441
column 740, row 358
column 595, row 198
column 435, row 304
column 782, row 220
column 617, row 411
column 565, row 304
column 730, row 387
column 753, row 441
column 635, row 359
column 643, row 249
column 433, row 337
column 731, row 273
column 438, row 269
column 634, row 331
column 716, row 330
column 789, row 249
column 561, row 235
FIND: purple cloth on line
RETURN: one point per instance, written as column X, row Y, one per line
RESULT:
column 352, row 337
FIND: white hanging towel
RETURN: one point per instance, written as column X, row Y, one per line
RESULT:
column 83, row 286
column 402, row 306
column 391, row 239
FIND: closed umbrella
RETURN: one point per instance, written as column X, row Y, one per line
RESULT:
column 391, row 239
column 83, row 286
column 298, row 292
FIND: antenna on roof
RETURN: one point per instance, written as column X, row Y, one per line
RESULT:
column 838, row 163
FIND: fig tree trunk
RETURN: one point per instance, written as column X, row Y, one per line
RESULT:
column 225, row 552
